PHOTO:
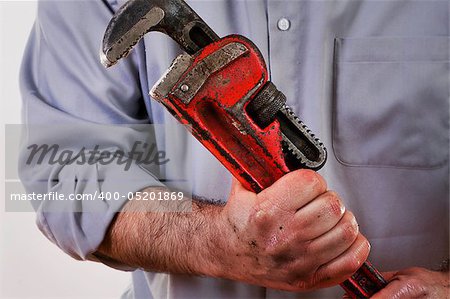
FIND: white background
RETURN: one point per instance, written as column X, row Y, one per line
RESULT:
column 30, row 265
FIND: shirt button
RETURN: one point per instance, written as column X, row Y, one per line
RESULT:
column 283, row 24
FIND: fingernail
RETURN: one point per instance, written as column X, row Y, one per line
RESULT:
column 342, row 209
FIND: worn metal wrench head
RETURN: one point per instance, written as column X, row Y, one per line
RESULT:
column 137, row 17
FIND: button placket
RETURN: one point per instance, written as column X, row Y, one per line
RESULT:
column 282, row 42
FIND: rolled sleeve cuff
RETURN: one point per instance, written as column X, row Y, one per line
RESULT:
column 81, row 227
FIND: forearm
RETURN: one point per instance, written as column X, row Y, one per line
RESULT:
column 293, row 236
column 173, row 242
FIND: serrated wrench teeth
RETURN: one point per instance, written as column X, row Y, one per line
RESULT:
column 299, row 141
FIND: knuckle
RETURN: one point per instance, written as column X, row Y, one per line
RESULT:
column 311, row 177
column 259, row 224
column 260, row 216
column 333, row 204
column 353, row 264
column 349, row 234
column 350, row 231
column 362, row 251
column 357, row 258
column 319, row 181
column 366, row 248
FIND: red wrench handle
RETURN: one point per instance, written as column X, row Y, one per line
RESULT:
column 217, row 114
column 365, row 282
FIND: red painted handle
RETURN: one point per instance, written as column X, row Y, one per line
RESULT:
column 364, row 283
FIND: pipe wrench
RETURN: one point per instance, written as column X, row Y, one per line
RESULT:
column 220, row 88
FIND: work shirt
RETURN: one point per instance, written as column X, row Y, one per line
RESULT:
column 370, row 78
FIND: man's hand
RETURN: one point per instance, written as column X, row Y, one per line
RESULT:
column 294, row 235
column 415, row 283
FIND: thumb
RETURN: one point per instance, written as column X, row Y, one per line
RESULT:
column 238, row 190
column 394, row 289
column 235, row 184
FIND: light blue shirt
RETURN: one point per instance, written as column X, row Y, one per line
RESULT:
column 371, row 78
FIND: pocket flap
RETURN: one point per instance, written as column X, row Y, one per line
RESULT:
column 392, row 49
column 391, row 102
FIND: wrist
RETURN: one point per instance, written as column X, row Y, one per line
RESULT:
column 217, row 248
column 208, row 239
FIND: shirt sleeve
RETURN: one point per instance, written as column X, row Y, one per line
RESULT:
column 70, row 100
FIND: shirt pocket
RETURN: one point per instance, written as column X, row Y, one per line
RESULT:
column 391, row 101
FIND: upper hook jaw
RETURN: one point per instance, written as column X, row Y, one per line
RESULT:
column 137, row 17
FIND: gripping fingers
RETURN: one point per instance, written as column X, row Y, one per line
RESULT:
column 320, row 215
column 333, row 243
column 294, row 190
column 342, row 267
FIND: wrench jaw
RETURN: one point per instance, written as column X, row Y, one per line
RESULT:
column 168, row 80
column 121, row 35
column 184, row 91
column 138, row 17
column 300, row 146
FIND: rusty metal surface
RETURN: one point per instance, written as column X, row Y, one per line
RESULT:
column 197, row 76
column 168, row 80
column 138, row 17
